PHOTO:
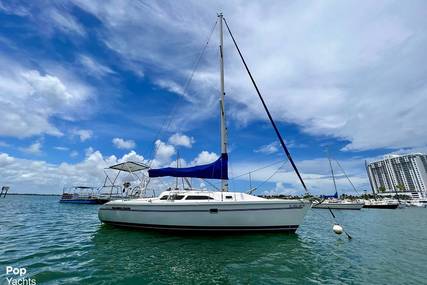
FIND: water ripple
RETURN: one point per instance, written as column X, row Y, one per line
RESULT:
column 67, row 244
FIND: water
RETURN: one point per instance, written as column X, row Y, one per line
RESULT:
column 60, row 243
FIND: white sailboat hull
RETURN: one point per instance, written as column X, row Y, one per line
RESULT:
column 274, row 215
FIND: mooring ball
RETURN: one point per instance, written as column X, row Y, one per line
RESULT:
column 337, row 229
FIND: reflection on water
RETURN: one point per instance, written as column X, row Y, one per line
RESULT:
column 62, row 243
column 156, row 257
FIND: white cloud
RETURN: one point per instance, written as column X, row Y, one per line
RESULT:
column 47, row 177
column 6, row 159
column 132, row 156
column 268, row 148
column 83, row 134
column 31, row 99
column 204, row 157
column 26, row 175
column 65, row 22
column 178, row 139
column 163, row 154
column 13, row 9
column 344, row 78
column 74, row 153
column 61, row 148
column 123, row 144
column 93, row 67
column 173, row 87
column 34, row 148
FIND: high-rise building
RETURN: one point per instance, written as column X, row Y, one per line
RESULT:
column 399, row 173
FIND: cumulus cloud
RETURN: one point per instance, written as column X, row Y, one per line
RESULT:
column 205, row 157
column 123, row 144
column 178, row 139
column 46, row 177
column 30, row 99
column 164, row 153
column 43, row 177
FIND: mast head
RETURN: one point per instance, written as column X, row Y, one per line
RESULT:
column 220, row 15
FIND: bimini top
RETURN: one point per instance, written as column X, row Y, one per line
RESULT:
column 215, row 170
column 129, row 166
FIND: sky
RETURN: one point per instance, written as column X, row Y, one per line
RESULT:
column 87, row 84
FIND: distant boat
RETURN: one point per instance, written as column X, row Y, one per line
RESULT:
column 381, row 204
column 417, row 203
column 332, row 201
column 211, row 211
column 111, row 189
column 339, row 204
column 80, row 195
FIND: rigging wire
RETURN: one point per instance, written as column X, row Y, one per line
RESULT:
column 186, row 85
column 257, row 169
column 266, row 109
column 265, row 181
column 213, row 185
column 348, row 178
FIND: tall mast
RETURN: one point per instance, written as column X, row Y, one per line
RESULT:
column 224, row 183
column 332, row 170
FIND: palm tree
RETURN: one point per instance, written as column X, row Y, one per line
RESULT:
column 400, row 187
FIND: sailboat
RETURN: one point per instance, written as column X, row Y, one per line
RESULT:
column 211, row 211
column 332, row 201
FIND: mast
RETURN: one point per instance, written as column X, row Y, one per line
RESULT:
column 224, row 182
column 332, row 171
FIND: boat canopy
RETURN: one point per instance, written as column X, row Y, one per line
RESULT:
column 129, row 166
column 215, row 170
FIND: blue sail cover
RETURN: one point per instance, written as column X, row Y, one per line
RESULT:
column 330, row 196
column 215, row 170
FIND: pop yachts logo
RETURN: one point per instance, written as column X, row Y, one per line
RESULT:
column 16, row 276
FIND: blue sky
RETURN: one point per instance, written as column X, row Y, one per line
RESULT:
column 87, row 84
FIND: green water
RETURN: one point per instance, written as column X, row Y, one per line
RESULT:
column 66, row 244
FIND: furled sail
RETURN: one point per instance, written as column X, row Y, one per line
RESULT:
column 330, row 196
column 215, row 170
